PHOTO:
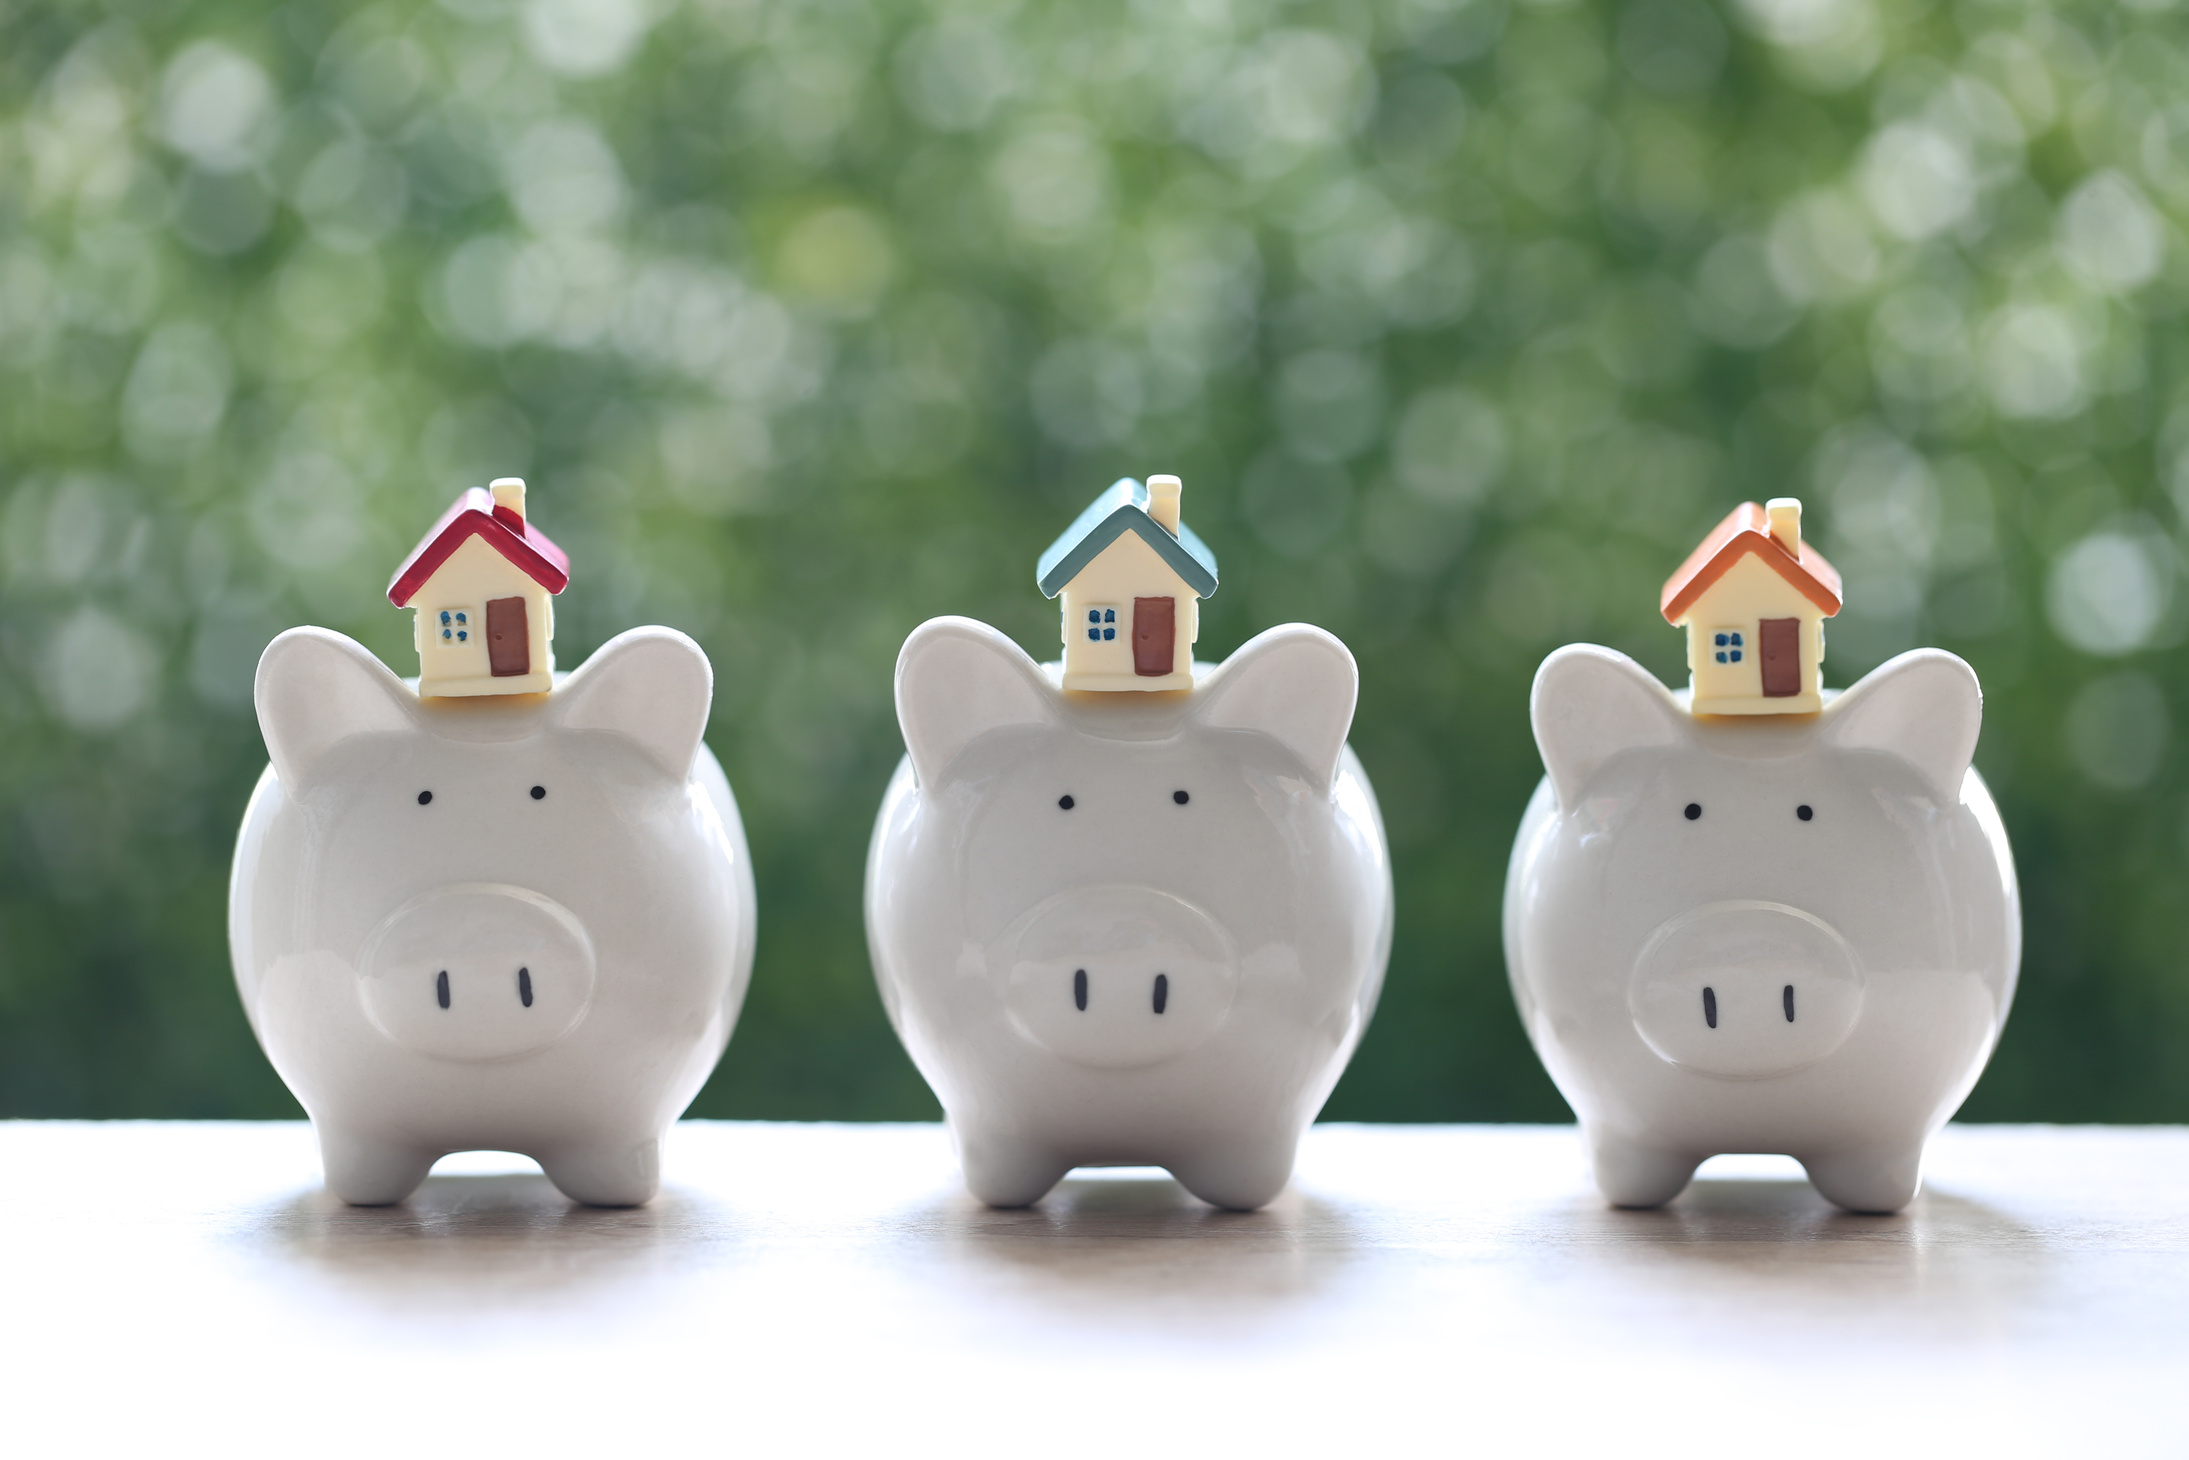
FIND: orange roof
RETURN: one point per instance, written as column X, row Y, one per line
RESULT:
column 1747, row 529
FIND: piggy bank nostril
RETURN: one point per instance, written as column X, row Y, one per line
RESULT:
column 524, row 987
column 1787, row 999
column 440, row 988
column 1079, row 990
column 1710, row 1007
column 1162, row 991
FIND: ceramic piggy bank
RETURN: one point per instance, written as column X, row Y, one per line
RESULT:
column 1128, row 929
column 1794, row 934
column 510, row 922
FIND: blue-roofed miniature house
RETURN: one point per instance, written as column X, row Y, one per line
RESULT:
column 1132, row 577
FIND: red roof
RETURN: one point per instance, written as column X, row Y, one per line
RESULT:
column 1747, row 529
column 475, row 515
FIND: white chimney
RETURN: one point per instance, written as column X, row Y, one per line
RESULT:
column 1163, row 502
column 1785, row 515
column 509, row 495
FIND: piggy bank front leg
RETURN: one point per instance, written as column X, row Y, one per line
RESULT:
column 1242, row 1174
column 1005, row 1171
column 608, row 1173
column 1631, row 1174
column 1877, row 1180
column 370, row 1173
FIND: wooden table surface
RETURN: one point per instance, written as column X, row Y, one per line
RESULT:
column 829, row 1288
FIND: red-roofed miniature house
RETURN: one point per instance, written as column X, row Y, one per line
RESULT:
column 1753, row 599
column 482, row 584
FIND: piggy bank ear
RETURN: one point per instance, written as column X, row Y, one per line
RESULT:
column 652, row 686
column 317, row 688
column 1295, row 682
column 1590, row 703
column 958, row 679
column 1924, row 706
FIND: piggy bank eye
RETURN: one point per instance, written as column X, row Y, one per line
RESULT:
column 1180, row 797
column 425, row 798
column 1803, row 812
column 1065, row 802
column 539, row 793
column 1694, row 811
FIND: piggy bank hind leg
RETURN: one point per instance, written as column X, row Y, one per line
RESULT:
column 1631, row 1174
column 370, row 1173
column 1241, row 1175
column 1877, row 1180
column 620, row 1173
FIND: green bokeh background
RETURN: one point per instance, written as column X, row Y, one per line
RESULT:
column 1461, row 319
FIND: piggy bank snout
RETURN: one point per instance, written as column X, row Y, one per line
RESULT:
column 1117, row 977
column 477, row 971
column 1745, row 990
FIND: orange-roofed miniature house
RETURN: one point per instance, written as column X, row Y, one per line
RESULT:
column 482, row 584
column 1753, row 599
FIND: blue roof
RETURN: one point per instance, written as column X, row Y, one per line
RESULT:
column 1120, row 509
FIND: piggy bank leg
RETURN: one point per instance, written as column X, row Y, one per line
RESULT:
column 1873, row 1179
column 1630, row 1174
column 369, row 1173
column 1243, row 1175
column 1006, row 1173
column 620, row 1173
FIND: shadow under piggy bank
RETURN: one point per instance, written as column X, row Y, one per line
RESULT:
column 1135, row 1241
column 464, row 1238
column 1944, row 1266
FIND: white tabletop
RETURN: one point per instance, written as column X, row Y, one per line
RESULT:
column 820, row 1289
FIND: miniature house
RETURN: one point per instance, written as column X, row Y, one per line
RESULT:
column 1753, row 599
column 1132, row 577
column 482, row 588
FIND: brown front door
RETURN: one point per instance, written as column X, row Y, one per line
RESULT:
column 1781, row 656
column 1155, row 635
column 508, row 637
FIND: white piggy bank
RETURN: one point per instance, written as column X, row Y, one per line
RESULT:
column 512, row 922
column 1790, row 934
column 1128, row 928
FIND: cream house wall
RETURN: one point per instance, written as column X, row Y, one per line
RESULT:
column 1750, row 592
column 473, row 574
column 1127, row 569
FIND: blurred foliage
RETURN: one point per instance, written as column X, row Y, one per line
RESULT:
column 808, row 319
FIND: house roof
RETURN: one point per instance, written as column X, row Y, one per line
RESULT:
column 1121, row 509
column 474, row 515
column 1747, row 529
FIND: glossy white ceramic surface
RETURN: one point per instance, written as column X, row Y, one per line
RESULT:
column 518, row 922
column 1795, row 935
column 1128, row 929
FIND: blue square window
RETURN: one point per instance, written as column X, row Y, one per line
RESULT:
column 1728, row 643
